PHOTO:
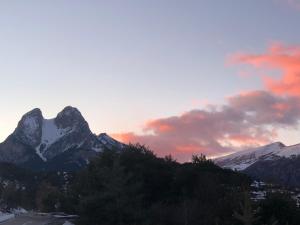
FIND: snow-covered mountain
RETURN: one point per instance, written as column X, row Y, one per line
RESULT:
column 62, row 142
column 244, row 159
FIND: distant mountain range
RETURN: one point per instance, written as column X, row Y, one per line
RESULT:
column 274, row 163
column 66, row 143
column 62, row 143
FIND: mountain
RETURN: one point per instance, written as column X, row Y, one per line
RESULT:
column 273, row 163
column 243, row 159
column 62, row 143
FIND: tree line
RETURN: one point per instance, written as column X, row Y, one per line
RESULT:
column 135, row 187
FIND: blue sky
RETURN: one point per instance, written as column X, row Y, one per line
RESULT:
column 125, row 62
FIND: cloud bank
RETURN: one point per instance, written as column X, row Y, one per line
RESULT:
column 247, row 119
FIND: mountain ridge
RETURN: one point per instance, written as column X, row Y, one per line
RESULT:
column 243, row 159
column 274, row 163
column 39, row 141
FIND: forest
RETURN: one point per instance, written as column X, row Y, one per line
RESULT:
column 134, row 186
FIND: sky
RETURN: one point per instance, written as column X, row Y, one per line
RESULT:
column 182, row 77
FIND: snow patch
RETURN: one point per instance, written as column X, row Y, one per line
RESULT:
column 6, row 216
column 98, row 148
column 18, row 211
column 290, row 151
column 68, row 223
column 50, row 134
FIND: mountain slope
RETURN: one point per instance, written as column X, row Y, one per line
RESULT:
column 62, row 142
column 275, row 163
column 282, row 170
column 244, row 159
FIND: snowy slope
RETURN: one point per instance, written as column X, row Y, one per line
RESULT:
column 243, row 159
column 6, row 216
column 289, row 151
column 50, row 134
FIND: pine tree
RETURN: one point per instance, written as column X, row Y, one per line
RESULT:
column 246, row 216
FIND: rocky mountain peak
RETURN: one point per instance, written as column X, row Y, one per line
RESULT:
column 29, row 129
column 69, row 111
column 64, row 142
column 279, row 144
column 70, row 117
column 35, row 111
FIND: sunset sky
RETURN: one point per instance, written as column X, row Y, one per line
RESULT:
column 182, row 77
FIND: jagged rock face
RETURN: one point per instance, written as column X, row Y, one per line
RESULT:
column 71, row 118
column 29, row 130
column 14, row 151
column 54, row 143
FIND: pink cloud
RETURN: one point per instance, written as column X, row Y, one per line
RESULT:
column 285, row 59
column 244, row 121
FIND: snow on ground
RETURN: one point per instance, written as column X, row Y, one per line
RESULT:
column 288, row 151
column 18, row 211
column 66, row 216
column 6, row 216
column 50, row 134
column 68, row 223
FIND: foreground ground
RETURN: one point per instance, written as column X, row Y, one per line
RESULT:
column 34, row 219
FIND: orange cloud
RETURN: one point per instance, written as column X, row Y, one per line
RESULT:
column 124, row 137
column 239, row 139
column 285, row 59
column 282, row 107
column 158, row 126
column 189, row 148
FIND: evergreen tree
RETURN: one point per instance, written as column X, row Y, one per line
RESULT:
column 246, row 216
